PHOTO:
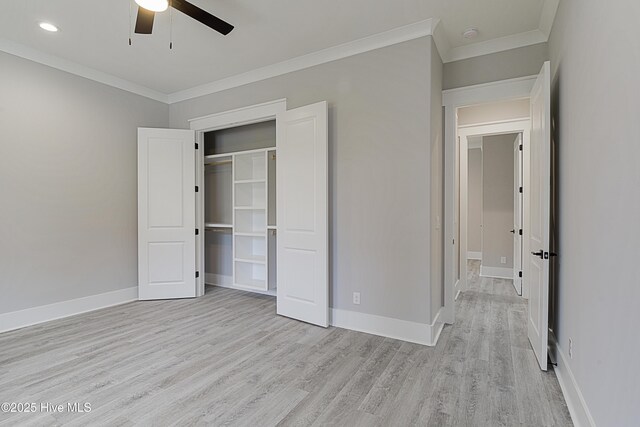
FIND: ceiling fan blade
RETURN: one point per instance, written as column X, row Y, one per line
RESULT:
column 144, row 21
column 203, row 16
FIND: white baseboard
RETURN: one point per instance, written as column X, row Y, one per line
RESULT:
column 496, row 272
column 419, row 333
column 44, row 313
column 580, row 414
column 474, row 255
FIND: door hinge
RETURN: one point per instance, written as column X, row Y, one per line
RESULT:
column 197, row 146
column 197, row 274
column 520, row 189
column 519, row 273
column 197, row 231
column 197, row 188
column 520, row 147
column 520, row 232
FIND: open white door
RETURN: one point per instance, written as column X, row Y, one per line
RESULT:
column 302, row 216
column 517, row 215
column 166, row 214
column 537, row 206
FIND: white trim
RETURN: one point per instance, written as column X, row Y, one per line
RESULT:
column 497, row 122
column 474, row 255
column 503, row 90
column 224, row 120
column 376, row 41
column 440, row 39
column 548, row 15
column 71, row 67
column 240, row 116
column 496, row 272
column 44, row 313
column 501, row 44
column 452, row 100
column 419, row 333
column 474, row 143
column 578, row 409
column 465, row 133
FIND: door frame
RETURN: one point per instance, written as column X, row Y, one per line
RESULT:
column 251, row 114
column 518, row 213
column 518, row 126
column 453, row 99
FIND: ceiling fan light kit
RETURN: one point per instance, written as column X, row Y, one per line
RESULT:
column 148, row 8
column 154, row 5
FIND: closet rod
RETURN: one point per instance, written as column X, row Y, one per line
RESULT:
column 218, row 230
column 221, row 162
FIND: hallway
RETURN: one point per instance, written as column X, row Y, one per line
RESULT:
column 500, row 369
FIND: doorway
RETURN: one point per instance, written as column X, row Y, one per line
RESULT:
column 536, row 140
column 490, row 204
column 504, row 127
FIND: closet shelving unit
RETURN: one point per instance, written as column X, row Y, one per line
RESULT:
column 247, row 218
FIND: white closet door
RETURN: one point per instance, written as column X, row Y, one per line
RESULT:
column 537, row 206
column 166, row 214
column 302, row 216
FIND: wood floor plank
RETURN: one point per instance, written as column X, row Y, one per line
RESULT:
column 228, row 359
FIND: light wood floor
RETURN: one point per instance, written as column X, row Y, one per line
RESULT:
column 227, row 359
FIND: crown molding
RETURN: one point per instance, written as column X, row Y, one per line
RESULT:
column 376, row 41
column 71, row 67
column 548, row 16
column 495, row 45
column 440, row 39
column 428, row 27
column 541, row 35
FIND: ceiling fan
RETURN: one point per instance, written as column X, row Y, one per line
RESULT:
column 147, row 11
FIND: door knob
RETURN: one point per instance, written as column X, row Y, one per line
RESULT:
column 513, row 231
column 540, row 254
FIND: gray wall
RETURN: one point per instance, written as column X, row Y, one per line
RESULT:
column 437, row 184
column 379, row 170
column 474, row 200
column 68, row 184
column 596, row 105
column 497, row 200
column 521, row 62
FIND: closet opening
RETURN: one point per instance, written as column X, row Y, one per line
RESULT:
column 239, row 207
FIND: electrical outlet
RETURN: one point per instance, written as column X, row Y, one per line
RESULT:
column 503, row 260
column 356, row 298
column 570, row 348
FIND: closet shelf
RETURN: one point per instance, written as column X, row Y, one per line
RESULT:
column 249, row 234
column 250, row 208
column 213, row 157
column 250, row 181
column 252, row 260
column 217, row 225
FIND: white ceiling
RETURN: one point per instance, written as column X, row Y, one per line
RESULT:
column 94, row 33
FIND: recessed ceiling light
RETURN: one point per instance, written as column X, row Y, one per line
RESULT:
column 48, row 27
column 154, row 5
column 471, row 33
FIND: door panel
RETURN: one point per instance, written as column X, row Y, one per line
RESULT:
column 538, row 208
column 302, row 217
column 166, row 213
